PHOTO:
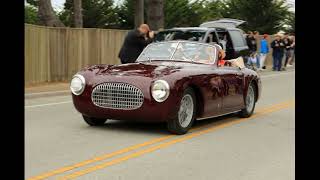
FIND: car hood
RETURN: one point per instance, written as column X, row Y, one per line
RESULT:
column 152, row 70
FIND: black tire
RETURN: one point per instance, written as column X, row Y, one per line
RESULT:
column 93, row 121
column 248, row 110
column 174, row 125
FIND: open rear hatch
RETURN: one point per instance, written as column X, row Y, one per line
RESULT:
column 223, row 23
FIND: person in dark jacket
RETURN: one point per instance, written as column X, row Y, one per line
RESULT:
column 135, row 41
column 288, row 50
column 278, row 50
column 252, row 44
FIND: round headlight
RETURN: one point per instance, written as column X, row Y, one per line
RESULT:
column 160, row 90
column 77, row 84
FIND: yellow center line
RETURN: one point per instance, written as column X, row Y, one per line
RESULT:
column 166, row 144
column 128, row 149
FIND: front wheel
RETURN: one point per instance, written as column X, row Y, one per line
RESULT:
column 93, row 121
column 250, row 102
column 185, row 117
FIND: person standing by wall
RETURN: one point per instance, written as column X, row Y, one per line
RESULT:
column 293, row 37
column 252, row 44
column 278, row 49
column 291, row 53
column 256, row 37
column 287, row 53
column 264, row 50
column 135, row 41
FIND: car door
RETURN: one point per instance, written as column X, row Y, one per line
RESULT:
column 211, row 90
column 232, row 86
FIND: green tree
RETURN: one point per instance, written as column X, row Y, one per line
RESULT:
column 45, row 13
column 176, row 13
column 290, row 23
column 265, row 16
column 96, row 14
column 125, row 13
column 182, row 13
column 209, row 10
column 31, row 15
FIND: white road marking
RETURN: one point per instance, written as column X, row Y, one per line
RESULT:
column 64, row 102
column 48, row 104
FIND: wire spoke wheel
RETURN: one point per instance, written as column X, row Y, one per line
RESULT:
column 186, row 110
column 250, row 99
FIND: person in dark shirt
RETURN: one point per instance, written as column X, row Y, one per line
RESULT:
column 288, row 50
column 278, row 50
column 134, row 43
column 252, row 44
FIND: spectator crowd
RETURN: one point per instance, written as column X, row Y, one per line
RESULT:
column 283, row 48
column 283, row 51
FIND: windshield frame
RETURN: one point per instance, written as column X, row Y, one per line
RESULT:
column 174, row 32
column 178, row 43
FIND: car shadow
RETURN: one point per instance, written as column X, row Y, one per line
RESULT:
column 210, row 122
column 135, row 127
column 160, row 127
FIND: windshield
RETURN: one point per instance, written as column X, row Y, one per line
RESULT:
column 191, row 35
column 179, row 51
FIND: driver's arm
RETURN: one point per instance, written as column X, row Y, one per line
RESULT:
column 221, row 52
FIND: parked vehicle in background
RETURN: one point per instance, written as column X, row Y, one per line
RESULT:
column 222, row 32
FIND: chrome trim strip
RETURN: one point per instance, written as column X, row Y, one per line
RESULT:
column 209, row 117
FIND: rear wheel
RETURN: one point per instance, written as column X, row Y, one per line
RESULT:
column 93, row 121
column 250, row 102
column 185, row 117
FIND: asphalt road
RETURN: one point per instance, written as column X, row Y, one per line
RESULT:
column 59, row 145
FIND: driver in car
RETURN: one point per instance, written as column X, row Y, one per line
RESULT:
column 207, row 56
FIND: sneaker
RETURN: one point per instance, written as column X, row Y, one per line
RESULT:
column 264, row 67
column 289, row 65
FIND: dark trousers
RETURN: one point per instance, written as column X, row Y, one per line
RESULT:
column 289, row 54
column 277, row 61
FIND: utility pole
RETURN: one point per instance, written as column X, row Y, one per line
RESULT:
column 138, row 12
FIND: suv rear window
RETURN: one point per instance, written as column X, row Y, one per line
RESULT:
column 191, row 35
column 237, row 38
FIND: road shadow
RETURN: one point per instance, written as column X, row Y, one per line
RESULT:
column 210, row 122
column 159, row 127
column 135, row 127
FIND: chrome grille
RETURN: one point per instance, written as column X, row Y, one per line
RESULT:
column 117, row 96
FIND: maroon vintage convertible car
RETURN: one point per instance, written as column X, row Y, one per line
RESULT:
column 175, row 82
